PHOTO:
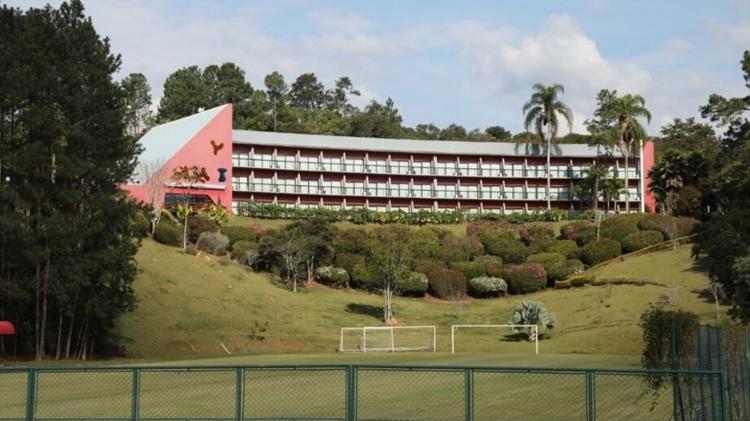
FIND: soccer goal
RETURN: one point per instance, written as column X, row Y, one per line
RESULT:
column 387, row 339
column 532, row 329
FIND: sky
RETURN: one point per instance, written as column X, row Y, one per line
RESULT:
column 468, row 62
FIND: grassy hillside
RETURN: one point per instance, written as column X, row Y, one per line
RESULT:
column 188, row 306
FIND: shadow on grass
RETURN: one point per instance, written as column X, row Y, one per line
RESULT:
column 366, row 310
column 515, row 337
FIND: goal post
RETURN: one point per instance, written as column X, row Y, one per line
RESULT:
column 534, row 332
column 387, row 339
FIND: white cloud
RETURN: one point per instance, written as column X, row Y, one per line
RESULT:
column 340, row 20
column 737, row 34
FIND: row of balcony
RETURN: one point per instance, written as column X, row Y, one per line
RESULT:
column 424, row 168
column 407, row 191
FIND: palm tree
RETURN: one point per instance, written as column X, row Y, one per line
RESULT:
column 541, row 111
column 628, row 110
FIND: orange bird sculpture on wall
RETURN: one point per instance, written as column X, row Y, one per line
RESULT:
column 216, row 147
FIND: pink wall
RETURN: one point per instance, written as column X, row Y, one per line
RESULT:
column 648, row 163
column 199, row 151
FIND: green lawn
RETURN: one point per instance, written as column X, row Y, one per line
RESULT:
column 188, row 306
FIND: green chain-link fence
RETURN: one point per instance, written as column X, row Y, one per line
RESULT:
column 357, row 392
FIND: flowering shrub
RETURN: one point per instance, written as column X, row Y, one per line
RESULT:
column 487, row 286
column 334, row 277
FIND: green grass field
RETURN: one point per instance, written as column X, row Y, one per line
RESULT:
column 188, row 306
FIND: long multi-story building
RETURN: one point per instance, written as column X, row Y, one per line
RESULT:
column 304, row 170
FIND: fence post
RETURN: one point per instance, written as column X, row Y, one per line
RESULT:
column 31, row 395
column 351, row 393
column 240, row 393
column 135, row 399
column 469, row 393
column 590, row 396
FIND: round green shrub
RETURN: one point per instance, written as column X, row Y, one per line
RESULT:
column 425, row 242
column 548, row 260
column 414, row 284
column 362, row 278
column 141, row 224
column 236, row 233
column 641, row 239
column 487, row 286
column 167, row 233
column 567, row 248
column 212, row 243
column 469, row 269
column 618, row 228
column 334, row 277
column 565, row 269
column 509, row 249
column 596, row 252
column 580, row 231
column 447, row 284
column 240, row 247
column 670, row 226
column 525, row 278
column 198, row 224
column 348, row 261
column 350, row 241
column 493, row 265
column 531, row 232
column 541, row 245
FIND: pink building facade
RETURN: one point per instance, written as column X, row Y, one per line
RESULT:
column 341, row 172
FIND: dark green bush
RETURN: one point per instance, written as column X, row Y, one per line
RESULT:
column 541, row 245
column 531, row 232
column 565, row 269
column 240, row 247
column 596, row 252
column 670, row 226
column 425, row 242
column 580, row 231
column 447, row 284
column 213, row 243
column 334, row 277
column 237, row 233
column 618, row 227
column 493, row 265
column 197, row 225
column 362, row 277
column 350, row 241
column 348, row 261
column 487, row 286
column 141, row 223
column 547, row 260
column 469, row 269
column 509, row 249
column 492, row 235
column 415, row 284
column 641, row 239
column 525, row 278
column 567, row 248
column 167, row 233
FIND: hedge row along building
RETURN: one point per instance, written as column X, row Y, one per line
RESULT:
column 380, row 174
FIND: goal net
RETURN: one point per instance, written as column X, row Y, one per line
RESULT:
column 477, row 335
column 387, row 339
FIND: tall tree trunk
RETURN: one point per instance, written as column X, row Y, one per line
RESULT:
column 549, row 169
column 595, row 199
column 37, row 312
column 387, row 303
column 627, row 178
column 58, row 347
column 45, row 306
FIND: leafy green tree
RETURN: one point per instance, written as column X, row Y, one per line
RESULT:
column 185, row 93
column 307, row 92
column 67, row 237
column 616, row 122
column 137, row 103
column 389, row 259
column 611, row 189
column 378, row 120
column 188, row 177
column 595, row 174
column 277, row 91
column 675, row 177
column 226, row 84
column 427, row 131
column 689, row 136
column 541, row 111
column 498, row 133
column 453, row 132
column 338, row 98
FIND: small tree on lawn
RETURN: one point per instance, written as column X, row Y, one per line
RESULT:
column 187, row 177
column 289, row 245
column 389, row 259
column 154, row 176
column 534, row 313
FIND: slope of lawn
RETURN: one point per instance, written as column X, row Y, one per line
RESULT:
column 189, row 305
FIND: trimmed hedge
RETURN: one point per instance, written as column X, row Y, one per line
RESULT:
column 443, row 282
column 596, row 252
column 469, row 269
column 530, row 233
column 348, row 261
column 362, row 278
column 236, row 234
column 546, row 259
column 541, row 245
column 425, row 242
column 415, row 284
column 641, row 239
column 240, row 247
column 618, row 228
column 350, row 241
column 493, row 265
column 198, row 224
column 567, row 248
column 487, row 286
column 581, row 231
column 334, row 277
column 565, row 269
column 670, row 226
column 213, row 243
column 509, row 249
column 525, row 278
column 167, row 233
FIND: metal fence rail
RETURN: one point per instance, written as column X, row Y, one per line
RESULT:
column 357, row 392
